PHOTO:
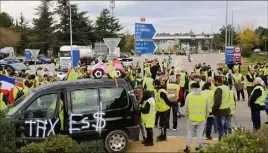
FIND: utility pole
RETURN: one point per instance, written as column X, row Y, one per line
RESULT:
column 229, row 31
column 112, row 6
column 232, row 28
column 71, row 32
column 226, row 20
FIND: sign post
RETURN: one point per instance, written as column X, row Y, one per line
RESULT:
column 111, row 43
column 144, row 43
column 35, row 53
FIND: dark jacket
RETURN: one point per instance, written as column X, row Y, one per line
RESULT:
column 217, row 103
column 249, row 79
column 255, row 95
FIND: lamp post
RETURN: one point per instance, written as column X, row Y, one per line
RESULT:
column 226, row 29
column 71, row 32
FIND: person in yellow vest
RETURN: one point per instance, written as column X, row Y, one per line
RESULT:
column 18, row 90
column 198, row 79
column 197, row 69
column 256, row 102
column 3, row 105
column 165, row 65
column 211, row 80
column 148, row 112
column 249, row 81
column 210, row 72
column 148, row 82
column 111, row 70
column 239, row 85
column 229, row 78
column 162, row 107
column 196, row 110
column 221, row 108
column 232, row 104
column 210, row 120
column 173, row 93
column 72, row 75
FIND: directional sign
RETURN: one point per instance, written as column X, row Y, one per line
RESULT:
column 145, row 47
column 144, row 31
column 75, row 58
column 229, row 54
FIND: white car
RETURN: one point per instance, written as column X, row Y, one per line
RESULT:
column 256, row 50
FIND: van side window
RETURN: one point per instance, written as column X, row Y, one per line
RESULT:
column 85, row 100
column 42, row 107
column 113, row 98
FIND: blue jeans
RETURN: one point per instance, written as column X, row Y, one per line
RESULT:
column 228, row 125
column 209, row 124
column 220, row 120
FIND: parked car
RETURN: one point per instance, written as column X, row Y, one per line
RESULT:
column 86, row 109
column 14, row 66
column 43, row 59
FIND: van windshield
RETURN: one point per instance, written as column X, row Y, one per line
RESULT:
column 65, row 53
column 18, row 104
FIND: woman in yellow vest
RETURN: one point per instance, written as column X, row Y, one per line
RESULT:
column 163, row 108
column 239, row 85
column 148, row 116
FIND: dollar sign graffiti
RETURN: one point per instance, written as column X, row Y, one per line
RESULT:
column 100, row 122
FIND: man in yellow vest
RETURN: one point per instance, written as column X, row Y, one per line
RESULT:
column 207, row 90
column 196, row 111
column 239, row 85
column 148, row 82
column 162, row 107
column 221, row 108
column 148, row 116
column 232, row 104
column 249, row 81
column 173, row 91
column 256, row 102
column 3, row 105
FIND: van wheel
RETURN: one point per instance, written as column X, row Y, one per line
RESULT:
column 116, row 141
column 98, row 73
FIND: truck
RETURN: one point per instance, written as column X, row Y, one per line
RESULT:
column 86, row 55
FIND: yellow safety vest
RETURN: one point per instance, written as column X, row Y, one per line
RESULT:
column 248, row 84
column 237, row 77
column 161, row 105
column 72, row 75
column 213, row 87
column 16, row 90
column 265, row 71
column 165, row 64
column 225, row 97
column 61, row 112
column 236, row 67
column 173, row 92
column 197, row 107
column 260, row 100
column 182, row 79
column 149, row 119
column 210, row 98
column 139, row 81
column 149, row 83
column 3, row 105
column 197, row 71
column 227, row 76
column 112, row 72
column 232, row 102
column 190, row 83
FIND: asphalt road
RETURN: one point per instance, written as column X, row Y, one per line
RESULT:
column 242, row 115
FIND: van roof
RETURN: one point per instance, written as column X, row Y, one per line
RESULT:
column 62, row 84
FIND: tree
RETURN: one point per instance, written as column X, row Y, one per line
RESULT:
column 8, row 38
column 23, row 30
column 82, row 29
column 263, row 36
column 247, row 36
column 232, row 32
column 130, row 42
column 6, row 21
column 107, row 26
column 43, row 27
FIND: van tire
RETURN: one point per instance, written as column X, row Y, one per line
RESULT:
column 116, row 134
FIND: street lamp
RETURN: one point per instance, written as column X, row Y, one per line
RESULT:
column 226, row 20
column 71, row 32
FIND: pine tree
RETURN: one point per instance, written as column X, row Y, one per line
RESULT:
column 43, row 27
column 23, row 29
column 107, row 26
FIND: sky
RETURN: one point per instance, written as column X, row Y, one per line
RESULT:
column 166, row 16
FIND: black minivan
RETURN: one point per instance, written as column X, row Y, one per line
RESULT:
column 87, row 109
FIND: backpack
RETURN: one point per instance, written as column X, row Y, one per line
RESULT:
column 20, row 93
column 172, row 94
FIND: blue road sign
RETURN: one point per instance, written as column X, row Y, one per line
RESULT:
column 145, row 47
column 75, row 58
column 144, row 31
column 229, row 54
column 28, row 54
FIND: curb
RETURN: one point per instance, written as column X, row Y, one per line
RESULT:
column 181, row 137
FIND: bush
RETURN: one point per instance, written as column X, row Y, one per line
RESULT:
column 33, row 148
column 90, row 147
column 7, row 135
column 246, row 52
column 59, row 144
column 242, row 142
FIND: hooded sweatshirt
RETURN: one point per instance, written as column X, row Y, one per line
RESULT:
column 195, row 91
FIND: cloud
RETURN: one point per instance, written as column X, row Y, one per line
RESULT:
column 167, row 16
